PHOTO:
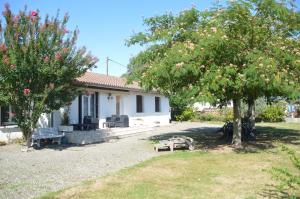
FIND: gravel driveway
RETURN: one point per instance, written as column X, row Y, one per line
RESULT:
column 31, row 174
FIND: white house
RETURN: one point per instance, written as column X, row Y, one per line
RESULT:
column 107, row 95
column 104, row 96
column 205, row 106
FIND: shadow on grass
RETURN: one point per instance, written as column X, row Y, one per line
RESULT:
column 268, row 136
column 211, row 138
column 270, row 191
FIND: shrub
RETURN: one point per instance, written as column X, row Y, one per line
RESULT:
column 2, row 143
column 223, row 115
column 273, row 113
column 206, row 117
column 65, row 118
column 228, row 114
column 187, row 114
column 287, row 179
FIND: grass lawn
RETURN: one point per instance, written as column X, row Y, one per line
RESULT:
column 213, row 171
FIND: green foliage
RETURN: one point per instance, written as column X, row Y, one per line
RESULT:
column 247, row 49
column 39, row 63
column 273, row 113
column 179, row 102
column 228, row 114
column 65, row 118
column 186, row 115
column 209, row 117
column 288, row 180
column 223, row 115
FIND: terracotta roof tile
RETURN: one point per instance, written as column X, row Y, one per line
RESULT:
column 100, row 80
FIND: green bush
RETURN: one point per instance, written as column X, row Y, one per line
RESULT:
column 206, row 117
column 223, row 115
column 227, row 114
column 187, row 114
column 287, row 179
column 273, row 113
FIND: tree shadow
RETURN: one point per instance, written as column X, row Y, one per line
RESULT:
column 271, row 191
column 70, row 146
column 204, row 137
column 212, row 138
column 268, row 137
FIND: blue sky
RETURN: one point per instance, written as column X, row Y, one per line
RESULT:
column 105, row 25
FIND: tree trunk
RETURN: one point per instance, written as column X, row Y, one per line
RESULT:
column 27, row 133
column 237, row 123
column 251, row 114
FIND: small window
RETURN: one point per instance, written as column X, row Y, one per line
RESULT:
column 7, row 115
column 157, row 104
column 139, row 104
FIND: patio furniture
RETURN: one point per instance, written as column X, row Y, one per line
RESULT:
column 117, row 121
column 89, row 123
column 122, row 121
column 42, row 134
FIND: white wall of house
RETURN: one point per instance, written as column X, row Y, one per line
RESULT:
column 73, row 112
column 107, row 107
column 148, row 116
column 201, row 106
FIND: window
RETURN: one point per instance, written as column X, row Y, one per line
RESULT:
column 139, row 104
column 92, row 105
column 7, row 116
column 157, row 104
column 85, row 105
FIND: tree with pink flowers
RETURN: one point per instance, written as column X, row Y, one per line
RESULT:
column 39, row 62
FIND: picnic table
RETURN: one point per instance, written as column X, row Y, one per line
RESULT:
column 175, row 142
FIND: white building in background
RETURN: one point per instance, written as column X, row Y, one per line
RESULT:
column 205, row 106
column 104, row 96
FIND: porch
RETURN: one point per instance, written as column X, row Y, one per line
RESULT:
column 104, row 135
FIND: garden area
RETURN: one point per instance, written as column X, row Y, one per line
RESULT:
column 214, row 170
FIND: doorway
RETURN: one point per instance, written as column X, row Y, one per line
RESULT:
column 118, row 104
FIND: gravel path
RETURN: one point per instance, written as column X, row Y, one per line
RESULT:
column 31, row 174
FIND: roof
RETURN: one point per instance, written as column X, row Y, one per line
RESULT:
column 106, row 81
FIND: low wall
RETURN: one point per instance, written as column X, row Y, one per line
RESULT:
column 10, row 133
column 292, row 120
column 86, row 137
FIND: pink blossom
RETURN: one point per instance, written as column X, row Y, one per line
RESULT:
column 95, row 59
column 46, row 59
column 214, row 29
column 5, row 60
column 33, row 13
column 13, row 66
column 26, row 91
column 66, row 31
column 16, row 18
column 65, row 50
column 57, row 56
column 3, row 47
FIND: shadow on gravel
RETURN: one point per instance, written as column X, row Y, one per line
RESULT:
column 211, row 138
column 74, row 147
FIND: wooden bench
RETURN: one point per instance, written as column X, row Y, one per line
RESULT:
column 175, row 142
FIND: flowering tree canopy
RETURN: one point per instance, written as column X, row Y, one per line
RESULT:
column 244, row 50
column 38, row 65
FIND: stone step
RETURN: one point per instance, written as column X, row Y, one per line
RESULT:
column 131, row 132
